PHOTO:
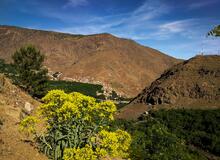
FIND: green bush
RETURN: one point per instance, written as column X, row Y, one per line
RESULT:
column 31, row 75
column 7, row 69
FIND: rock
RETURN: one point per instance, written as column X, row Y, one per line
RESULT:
column 28, row 108
column 192, row 81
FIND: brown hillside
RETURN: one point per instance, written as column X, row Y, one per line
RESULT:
column 195, row 82
column 118, row 63
column 12, row 145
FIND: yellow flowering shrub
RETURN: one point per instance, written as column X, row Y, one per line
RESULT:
column 85, row 153
column 78, row 128
column 113, row 144
column 63, row 107
column 28, row 125
column 107, row 144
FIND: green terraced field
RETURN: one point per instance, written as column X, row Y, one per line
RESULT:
column 84, row 88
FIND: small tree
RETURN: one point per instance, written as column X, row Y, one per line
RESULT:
column 215, row 31
column 31, row 75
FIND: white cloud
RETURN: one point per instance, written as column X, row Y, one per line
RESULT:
column 140, row 24
column 151, row 9
column 129, row 22
column 75, row 3
column 177, row 26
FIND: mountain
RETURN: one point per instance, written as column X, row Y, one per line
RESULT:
column 116, row 63
column 195, row 82
column 192, row 84
column 13, row 106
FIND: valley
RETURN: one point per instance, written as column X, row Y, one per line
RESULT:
column 97, row 97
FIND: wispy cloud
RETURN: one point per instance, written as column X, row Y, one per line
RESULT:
column 75, row 3
column 143, row 23
column 177, row 26
column 187, row 28
column 122, row 24
column 170, row 26
column 151, row 9
column 201, row 4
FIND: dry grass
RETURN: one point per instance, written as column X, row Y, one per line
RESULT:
column 12, row 145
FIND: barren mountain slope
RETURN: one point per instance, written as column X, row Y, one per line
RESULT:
column 119, row 63
column 195, row 82
column 12, row 145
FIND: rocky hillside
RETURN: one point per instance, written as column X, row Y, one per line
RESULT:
column 14, row 104
column 116, row 63
column 191, row 83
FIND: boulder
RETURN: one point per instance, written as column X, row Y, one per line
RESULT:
column 28, row 108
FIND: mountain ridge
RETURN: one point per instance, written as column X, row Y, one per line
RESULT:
column 117, row 63
column 189, row 82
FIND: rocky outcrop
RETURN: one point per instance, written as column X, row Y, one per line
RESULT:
column 193, row 80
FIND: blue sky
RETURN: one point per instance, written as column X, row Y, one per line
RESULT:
column 175, row 27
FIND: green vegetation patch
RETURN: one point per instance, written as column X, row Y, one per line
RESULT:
column 198, row 127
column 68, row 87
column 7, row 69
column 152, row 140
column 87, row 89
